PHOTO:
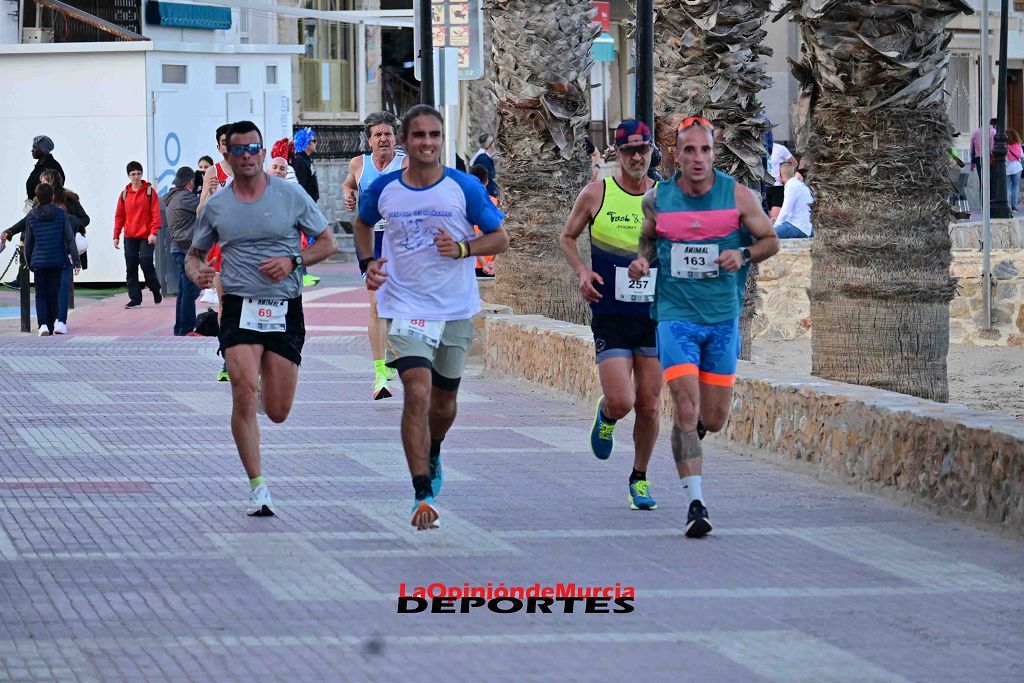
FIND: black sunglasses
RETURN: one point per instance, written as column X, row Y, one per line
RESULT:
column 252, row 148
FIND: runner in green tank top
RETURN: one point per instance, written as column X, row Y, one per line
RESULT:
column 693, row 221
column 624, row 334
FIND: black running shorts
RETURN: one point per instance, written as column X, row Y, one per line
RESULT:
column 287, row 344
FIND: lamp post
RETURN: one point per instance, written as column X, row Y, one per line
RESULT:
column 425, row 21
column 645, row 62
column 1000, row 205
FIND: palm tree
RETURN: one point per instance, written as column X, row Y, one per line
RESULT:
column 707, row 62
column 872, row 73
column 542, row 63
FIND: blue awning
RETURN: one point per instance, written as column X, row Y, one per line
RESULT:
column 187, row 16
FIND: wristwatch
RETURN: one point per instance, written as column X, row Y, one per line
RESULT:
column 746, row 255
column 297, row 261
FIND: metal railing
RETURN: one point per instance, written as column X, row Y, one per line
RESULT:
column 334, row 141
column 86, row 21
column 399, row 94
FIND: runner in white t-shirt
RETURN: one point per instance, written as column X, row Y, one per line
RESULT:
column 426, row 288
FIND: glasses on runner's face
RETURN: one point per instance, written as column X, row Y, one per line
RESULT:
column 694, row 121
column 632, row 150
column 253, row 148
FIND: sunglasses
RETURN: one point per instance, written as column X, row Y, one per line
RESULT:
column 694, row 121
column 632, row 150
column 252, row 148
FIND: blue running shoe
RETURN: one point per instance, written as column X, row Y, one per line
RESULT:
column 640, row 496
column 601, row 440
column 425, row 514
column 436, row 475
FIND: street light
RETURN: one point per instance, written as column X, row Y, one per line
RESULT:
column 645, row 62
column 1000, row 205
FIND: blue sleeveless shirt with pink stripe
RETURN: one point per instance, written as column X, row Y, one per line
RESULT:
column 711, row 218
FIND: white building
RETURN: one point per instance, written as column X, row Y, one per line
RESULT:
column 158, row 100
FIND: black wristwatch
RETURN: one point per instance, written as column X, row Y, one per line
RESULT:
column 297, row 261
column 364, row 263
column 746, row 255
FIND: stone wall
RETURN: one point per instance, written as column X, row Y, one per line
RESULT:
column 950, row 457
column 784, row 310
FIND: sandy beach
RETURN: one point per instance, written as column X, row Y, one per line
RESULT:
column 986, row 377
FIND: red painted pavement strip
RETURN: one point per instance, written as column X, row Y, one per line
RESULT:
column 83, row 487
column 110, row 318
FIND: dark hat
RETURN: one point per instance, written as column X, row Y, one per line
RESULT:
column 183, row 176
column 42, row 143
column 632, row 131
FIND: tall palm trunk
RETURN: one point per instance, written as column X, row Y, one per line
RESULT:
column 542, row 62
column 872, row 73
column 707, row 62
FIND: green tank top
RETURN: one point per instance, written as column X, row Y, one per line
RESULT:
column 614, row 238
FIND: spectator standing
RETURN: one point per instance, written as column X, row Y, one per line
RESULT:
column 204, row 163
column 180, row 204
column 1014, row 153
column 976, row 148
column 49, row 245
column 794, row 220
column 485, row 157
column 138, row 217
column 42, row 152
column 305, row 169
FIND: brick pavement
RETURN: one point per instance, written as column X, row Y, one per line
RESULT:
column 125, row 553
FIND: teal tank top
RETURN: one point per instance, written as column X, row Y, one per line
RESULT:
column 693, row 230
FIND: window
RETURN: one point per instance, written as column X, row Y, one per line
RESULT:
column 228, row 75
column 176, row 74
column 271, row 74
column 244, row 26
column 327, row 71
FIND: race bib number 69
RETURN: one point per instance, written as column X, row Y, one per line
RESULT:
column 264, row 315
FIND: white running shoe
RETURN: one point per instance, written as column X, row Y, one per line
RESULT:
column 60, row 328
column 44, row 331
column 260, row 504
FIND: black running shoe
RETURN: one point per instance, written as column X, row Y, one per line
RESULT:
column 132, row 304
column 157, row 296
column 702, row 431
column 697, row 524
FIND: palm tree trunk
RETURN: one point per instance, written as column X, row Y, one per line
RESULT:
column 707, row 62
column 542, row 62
column 872, row 73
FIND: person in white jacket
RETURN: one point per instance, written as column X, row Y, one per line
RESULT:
column 794, row 220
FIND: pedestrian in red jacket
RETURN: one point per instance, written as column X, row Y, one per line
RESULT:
column 138, row 216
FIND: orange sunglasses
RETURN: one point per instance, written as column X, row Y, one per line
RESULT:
column 694, row 121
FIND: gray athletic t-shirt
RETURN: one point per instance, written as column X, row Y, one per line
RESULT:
column 249, row 233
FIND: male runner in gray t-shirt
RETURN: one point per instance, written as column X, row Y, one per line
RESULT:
column 256, row 220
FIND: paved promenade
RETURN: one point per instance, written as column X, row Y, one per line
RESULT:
column 125, row 553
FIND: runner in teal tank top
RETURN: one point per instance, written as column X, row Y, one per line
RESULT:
column 692, row 225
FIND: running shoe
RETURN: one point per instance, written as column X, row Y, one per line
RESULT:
column 380, row 388
column 60, row 328
column 697, row 523
column 260, row 504
column 223, row 375
column 640, row 496
column 132, row 305
column 601, row 440
column 44, row 331
column 436, row 475
column 425, row 514
column 157, row 296
column 310, row 280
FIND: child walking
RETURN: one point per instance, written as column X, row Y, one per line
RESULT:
column 49, row 243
